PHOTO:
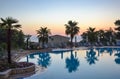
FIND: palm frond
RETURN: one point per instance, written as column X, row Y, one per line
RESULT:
column 4, row 21
column 17, row 26
column 71, row 28
column 117, row 23
column 2, row 24
column 43, row 34
column 11, row 20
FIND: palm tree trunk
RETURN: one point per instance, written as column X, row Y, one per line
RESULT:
column 9, row 45
column 43, row 44
column 71, row 41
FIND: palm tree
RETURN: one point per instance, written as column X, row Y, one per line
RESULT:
column 72, row 29
column 92, row 35
column 84, row 36
column 117, row 23
column 27, row 39
column 100, row 34
column 43, row 35
column 9, row 23
column 109, row 35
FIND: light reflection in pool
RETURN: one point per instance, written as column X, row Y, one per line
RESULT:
column 93, row 63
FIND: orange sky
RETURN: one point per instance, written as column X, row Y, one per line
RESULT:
column 59, row 28
column 33, row 14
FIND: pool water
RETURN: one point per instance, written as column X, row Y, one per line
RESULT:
column 93, row 63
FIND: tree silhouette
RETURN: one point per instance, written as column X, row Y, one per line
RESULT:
column 27, row 40
column 17, row 38
column 117, row 23
column 101, row 36
column 72, row 63
column 44, row 59
column 92, row 35
column 9, row 23
column 43, row 35
column 84, row 38
column 109, row 36
column 20, row 40
column 71, row 29
column 90, row 56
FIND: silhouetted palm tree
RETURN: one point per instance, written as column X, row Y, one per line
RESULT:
column 3, row 34
column 101, row 35
column 92, row 35
column 10, row 24
column 43, row 35
column 84, row 37
column 117, row 23
column 109, row 36
column 27, row 40
column 71, row 29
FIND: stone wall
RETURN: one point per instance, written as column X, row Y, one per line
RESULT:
column 14, row 71
column 5, row 74
column 23, row 70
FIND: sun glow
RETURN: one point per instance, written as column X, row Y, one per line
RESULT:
column 54, row 14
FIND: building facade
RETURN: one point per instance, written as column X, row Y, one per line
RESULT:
column 58, row 41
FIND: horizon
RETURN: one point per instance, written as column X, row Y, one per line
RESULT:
column 54, row 14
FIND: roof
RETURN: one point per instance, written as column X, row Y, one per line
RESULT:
column 59, row 36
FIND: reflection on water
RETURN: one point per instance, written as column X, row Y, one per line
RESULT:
column 90, row 56
column 76, row 64
column 117, row 60
column 44, row 59
column 31, row 56
column 110, row 51
column 103, row 50
column 72, row 63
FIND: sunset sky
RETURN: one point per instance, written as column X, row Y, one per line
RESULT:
column 32, row 14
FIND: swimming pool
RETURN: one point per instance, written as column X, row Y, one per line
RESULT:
column 92, row 63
